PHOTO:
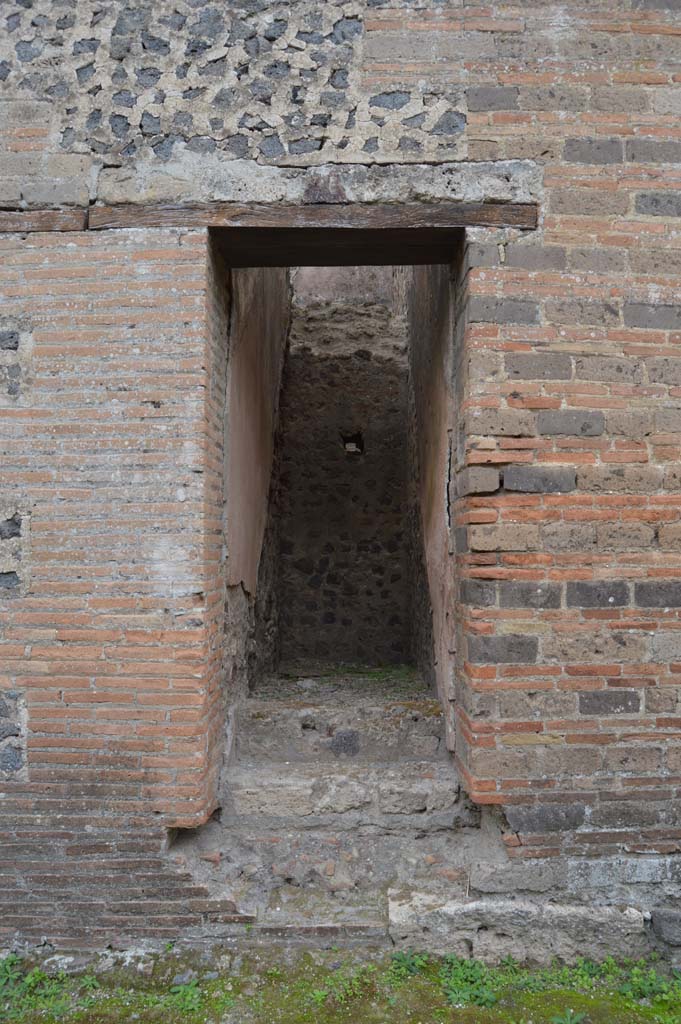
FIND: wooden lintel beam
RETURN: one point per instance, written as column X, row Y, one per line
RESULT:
column 43, row 220
column 365, row 216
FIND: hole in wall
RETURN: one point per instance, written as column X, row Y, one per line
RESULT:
column 353, row 443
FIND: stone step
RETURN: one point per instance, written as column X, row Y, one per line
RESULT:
column 250, row 861
column 411, row 794
column 493, row 927
column 363, row 730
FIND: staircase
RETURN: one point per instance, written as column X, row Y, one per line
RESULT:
column 342, row 795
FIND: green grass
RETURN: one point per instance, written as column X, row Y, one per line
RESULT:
column 277, row 987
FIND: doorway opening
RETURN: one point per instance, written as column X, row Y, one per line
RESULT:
column 348, row 586
column 340, row 415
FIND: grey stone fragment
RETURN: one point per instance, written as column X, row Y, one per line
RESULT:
column 477, row 480
column 10, row 528
column 147, row 77
column 11, row 759
column 480, row 593
column 8, row 729
column 120, row 125
column 394, row 100
column 124, row 98
column 9, row 581
column 155, row 44
column 8, row 704
column 199, row 144
column 597, row 594
column 271, row 146
column 9, row 341
column 666, row 921
column 509, row 650
column 659, row 204
column 150, row 124
column 538, row 365
column 452, row 122
column 658, row 594
column 593, row 151
column 519, row 594
column 275, row 29
column 489, row 309
column 575, row 422
column 492, row 97
column 346, row 29
column 28, row 50
column 539, row 479
column 339, row 78
column 85, row 73
column 305, row 146
column 85, row 46
column 278, row 69
column 609, row 702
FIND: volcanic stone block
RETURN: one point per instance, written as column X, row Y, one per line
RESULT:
column 489, row 309
column 577, row 422
column 652, row 316
column 477, row 480
column 482, row 593
column 658, row 594
column 601, row 594
column 659, row 204
column 546, row 817
column 511, row 650
column 609, row 369
column 609, row 702
column 652, row 151
column 593, row 151
column 516, row 594
column 504, row 537
column 492, row 97
column 539, row 479
column 538, row 365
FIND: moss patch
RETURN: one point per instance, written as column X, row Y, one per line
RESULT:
column 294, row 987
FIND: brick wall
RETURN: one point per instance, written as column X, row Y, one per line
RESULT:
column 566, row 482
column 112, row 639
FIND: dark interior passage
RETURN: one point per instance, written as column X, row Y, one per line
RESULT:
column 343, row 528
